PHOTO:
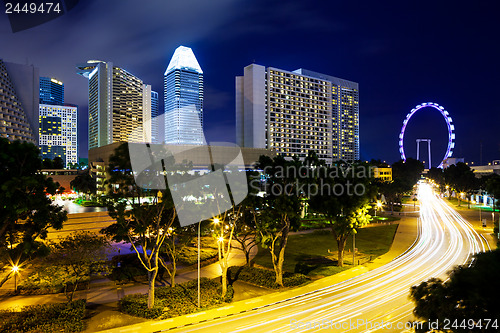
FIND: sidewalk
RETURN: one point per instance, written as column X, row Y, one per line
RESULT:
column 475, row 218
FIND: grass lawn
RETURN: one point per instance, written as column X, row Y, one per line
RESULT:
column 312, row 249
column 389, row 218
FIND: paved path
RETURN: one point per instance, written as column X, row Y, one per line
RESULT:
column 105, row 291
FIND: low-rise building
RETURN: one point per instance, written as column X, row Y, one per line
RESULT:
column 384, row 174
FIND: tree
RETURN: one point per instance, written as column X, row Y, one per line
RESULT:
column 142, row 223
column 47, row 163
column 178, row 238
column 245, row 232
column 461, row 178
column 392, row 191
column 84, row 183
column 345, row 211
column 468, row 296
column 26, row 211
column 58, row 163
column 437, row 175
column 407, row 173
column 279, row 209
column 224, row 231
column 493, row 188
column 81, row 255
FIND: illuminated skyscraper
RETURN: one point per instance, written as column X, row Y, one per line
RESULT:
column 58, row 132
column 51, row 91
column 297, row 112
column 116, row 104
column 183, row 93
column 155, row 108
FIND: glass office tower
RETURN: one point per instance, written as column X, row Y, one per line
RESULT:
column 183, row 93
column 51, row 91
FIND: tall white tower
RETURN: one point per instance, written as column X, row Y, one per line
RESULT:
column 183, row 92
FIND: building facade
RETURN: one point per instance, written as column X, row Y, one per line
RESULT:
column 116, row 104
column 23, row 80
column 297, row 112
column 383, row 173
column 155, row 108
column 51, row 91
column 14, row 123
column 58, row 132
column 183, row 94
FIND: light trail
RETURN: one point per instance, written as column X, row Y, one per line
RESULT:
column 445, row 240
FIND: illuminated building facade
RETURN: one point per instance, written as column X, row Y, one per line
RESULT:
column 297, row 112
column 58, row 132
column 155, row 108
column 183, row 93
column 14, row 124
column 116, row 104
column 51, row 91
column 20, row 97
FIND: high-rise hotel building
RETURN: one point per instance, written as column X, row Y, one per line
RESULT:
column 116, row 104
column 14, row 122
column 297, row 112
column 183, row 93
column 19, row 97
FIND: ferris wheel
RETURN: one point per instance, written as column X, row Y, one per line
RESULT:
column 449, row 123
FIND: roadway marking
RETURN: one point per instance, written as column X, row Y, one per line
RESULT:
column 196, row 314
column 254, row 301
column 225, row 308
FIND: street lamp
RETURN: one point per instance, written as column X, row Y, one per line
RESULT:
column 15, row 270
column 379, row 205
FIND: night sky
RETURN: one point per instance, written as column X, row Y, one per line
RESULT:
column 401, row 53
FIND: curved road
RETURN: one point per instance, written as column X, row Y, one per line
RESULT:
column 374, row 301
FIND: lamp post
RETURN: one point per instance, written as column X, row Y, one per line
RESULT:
column 353, row 248
column 15, row 270
column 379, row 205
column 199, row 227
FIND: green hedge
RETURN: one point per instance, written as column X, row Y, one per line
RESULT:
column 47, row 280
column 264, row 277
column 179, row 300
column 44, row 318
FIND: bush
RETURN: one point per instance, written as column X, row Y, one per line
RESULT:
column 264, row 277
column 176, row 301
column 44, row 318
column 47, row 280
column 137, row 305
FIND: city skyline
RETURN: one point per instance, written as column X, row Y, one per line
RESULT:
column 429, row 57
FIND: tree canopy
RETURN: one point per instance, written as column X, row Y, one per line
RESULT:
column 26, row 211
column 468, row 296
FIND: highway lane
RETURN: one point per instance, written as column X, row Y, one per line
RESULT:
column 376, row 301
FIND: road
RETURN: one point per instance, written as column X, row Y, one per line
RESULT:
column 376, row 301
